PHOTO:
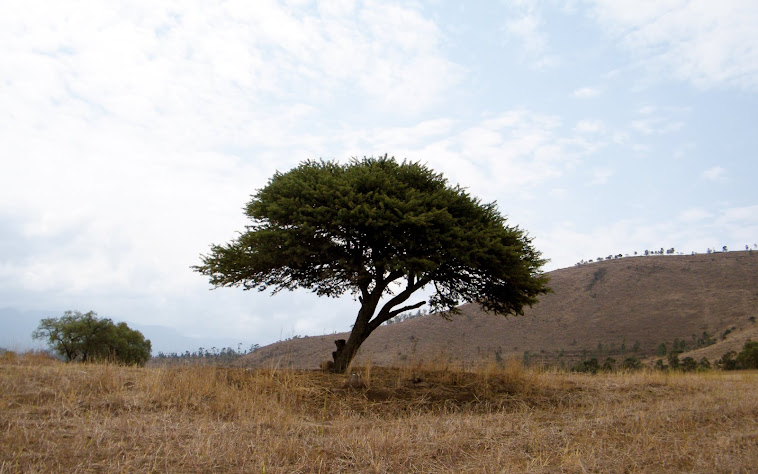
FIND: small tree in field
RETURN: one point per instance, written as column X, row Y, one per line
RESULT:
column 87, row 338
column 381, row 230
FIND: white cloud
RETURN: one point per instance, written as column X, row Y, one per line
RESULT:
column 589, row 126
column 694, row 214
column 700, row 41
column 587, row 92
column 715, row 173
column 656, row 126
column 647, row 109
column 656, row 120
column 746, row 217
column 601, row 175
column 684, row 150
column 511, row 152
column 526, row 28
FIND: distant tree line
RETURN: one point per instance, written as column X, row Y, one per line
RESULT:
column 212, row 356
column 593, row 366
column 406, row 316
column 670, row 251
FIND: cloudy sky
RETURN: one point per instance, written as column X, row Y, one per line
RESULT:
column 133, row 133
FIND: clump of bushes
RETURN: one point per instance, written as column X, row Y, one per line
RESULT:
column 688, row 364
column 746, row 359
column 592, row 366
column 83, row 337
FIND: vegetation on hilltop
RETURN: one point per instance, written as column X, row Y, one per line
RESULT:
column 670, row 251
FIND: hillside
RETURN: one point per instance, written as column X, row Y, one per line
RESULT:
column 598, row 309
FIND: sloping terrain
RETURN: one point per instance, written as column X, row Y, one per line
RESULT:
column 615, row 308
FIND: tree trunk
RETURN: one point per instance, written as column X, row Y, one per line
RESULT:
column 363, row 326
column 344, row 355
column 361, row 330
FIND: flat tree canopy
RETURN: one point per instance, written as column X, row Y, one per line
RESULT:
column 379, row 229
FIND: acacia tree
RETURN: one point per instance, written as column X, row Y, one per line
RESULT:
column 381, row 230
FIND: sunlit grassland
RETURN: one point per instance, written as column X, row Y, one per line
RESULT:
column 57, row 417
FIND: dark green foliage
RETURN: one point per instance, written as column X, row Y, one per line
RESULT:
column 727, row 361
column 704, row 364
column 705, row 340
column 591, row 366
column 631, row 363
column 673, row 358
column 378, row 228
column 610, row 364
column 661, row 351
column 87, row 338
column 679, row 345
column 597, row 277
column 660, row 365
column 689, row 364
column 748, row 356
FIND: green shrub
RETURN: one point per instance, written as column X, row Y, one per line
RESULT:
column 727, row 361
column 631, row 363
column 588, row 366
column 748, row 357
column 87, row 338
column 673, row 358
column 689, row 364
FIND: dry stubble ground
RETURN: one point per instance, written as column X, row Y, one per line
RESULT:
column 56, row 417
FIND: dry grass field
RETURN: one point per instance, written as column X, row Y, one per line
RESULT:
column 57, row 417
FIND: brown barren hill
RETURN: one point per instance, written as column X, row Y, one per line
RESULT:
column 596, row 310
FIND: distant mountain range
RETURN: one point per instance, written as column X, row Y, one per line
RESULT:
column 614, row 308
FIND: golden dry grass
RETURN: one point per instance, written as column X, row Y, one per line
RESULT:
column 57, row 417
